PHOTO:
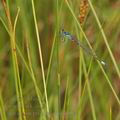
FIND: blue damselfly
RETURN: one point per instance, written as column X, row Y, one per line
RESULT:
column 73, row 38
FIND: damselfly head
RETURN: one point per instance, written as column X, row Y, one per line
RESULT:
column 65, row 34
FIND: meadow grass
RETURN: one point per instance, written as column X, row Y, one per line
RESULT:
column 45, row 78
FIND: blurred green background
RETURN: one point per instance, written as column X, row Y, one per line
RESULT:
column 76, row 85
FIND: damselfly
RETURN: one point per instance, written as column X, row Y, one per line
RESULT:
column 73, row 38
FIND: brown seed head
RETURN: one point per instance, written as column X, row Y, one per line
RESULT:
column 83, row 10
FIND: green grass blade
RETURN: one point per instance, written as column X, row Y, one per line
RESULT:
column 40, row 55
column 2, row 108
column 104, row 37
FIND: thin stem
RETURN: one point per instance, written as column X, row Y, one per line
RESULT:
column 40, row 55
column 105, row 38
column 14, row 61
column 33, row 77
column 89, row 91
column 51, row 55
column 2, row 108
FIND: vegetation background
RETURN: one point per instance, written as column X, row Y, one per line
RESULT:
column 43, row 77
